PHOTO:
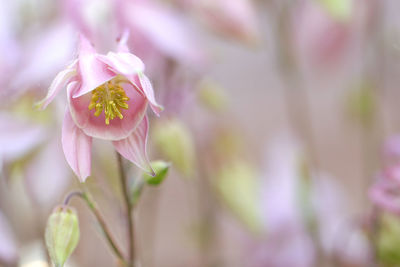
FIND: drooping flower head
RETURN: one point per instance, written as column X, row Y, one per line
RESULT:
column 107, row 99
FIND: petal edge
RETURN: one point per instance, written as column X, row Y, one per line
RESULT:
column 133, row 148
column 77, row 148
column 59, row 82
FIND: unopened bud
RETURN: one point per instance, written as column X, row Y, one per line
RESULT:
column 175, row 142
column 161, row 169
column 211, row 96
column 238, row 186
column 339, row 9
column 62, row 234
column 362, row 104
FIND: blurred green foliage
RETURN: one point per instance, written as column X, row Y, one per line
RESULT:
column 388, row 242
column 237, row 182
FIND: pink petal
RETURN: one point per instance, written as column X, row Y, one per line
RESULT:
column 96, row 126
column 124, row 63
column 133, row 147
column 234, row 18
column 320, row 39
column 18, row 136
column 52, row 47
column 38, row 175
column 148, row 91
column 59, row 82
column 384, row 195
column 77, row 148
column 122, row 42
column 93, row 72
column 392, row 147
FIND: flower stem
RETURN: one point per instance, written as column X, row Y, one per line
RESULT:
column 129, row 211
column 86, row 196
column 71, row 195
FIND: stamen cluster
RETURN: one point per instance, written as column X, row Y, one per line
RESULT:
column 111, row 98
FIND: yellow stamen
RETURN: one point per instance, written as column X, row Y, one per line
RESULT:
column 111, row 98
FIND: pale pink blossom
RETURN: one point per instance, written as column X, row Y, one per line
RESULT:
column 8, row 42
column 93, row 18
column 18, row 136
column 323, row 41
column 38, row 175
column 159, row 29
column 340, row 234
column 234, row 19
column 288, row 243
column 320, row 38
column 52, row 47
column 386, row 195
column 290, row 201
column 107, row 99
column 385, row 192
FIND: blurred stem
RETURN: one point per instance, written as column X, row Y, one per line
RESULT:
column 297, row 102
column 296, row 97
column 374, row 236
column 210, row 244
column 87, row 197
column 129, row 211
column 153, row 226
column 71, row 195
column 376, row 68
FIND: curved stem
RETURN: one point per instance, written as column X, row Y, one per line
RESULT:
column 129, row 211
column 71, row 195
column 86, row 196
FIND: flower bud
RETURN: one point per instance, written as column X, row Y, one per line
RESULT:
column 238, row 186
column 211, row 96
column 338, row 9
column 176, row 144
column 62, row 234
column 161, row 169
column 362, row 104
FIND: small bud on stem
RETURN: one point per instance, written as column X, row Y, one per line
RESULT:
column 62, row 234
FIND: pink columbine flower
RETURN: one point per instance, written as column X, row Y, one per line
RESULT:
column 385, row 192
column 107, row 99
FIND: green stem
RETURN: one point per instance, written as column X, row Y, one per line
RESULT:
column 86, row 196
column 129, row 211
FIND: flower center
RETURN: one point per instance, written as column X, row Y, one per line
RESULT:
column 111, row 98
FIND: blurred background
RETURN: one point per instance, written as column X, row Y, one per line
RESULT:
column 280, row 121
